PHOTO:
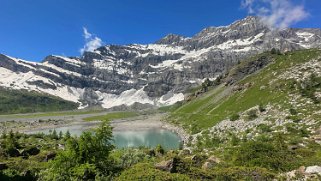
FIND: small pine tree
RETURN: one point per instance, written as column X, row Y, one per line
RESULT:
column 54, row 135
column 60, row 135
column 67, row 135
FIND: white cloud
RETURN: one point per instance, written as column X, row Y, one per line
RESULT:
column 92, row 42
column 87, row 35
column 276, row 13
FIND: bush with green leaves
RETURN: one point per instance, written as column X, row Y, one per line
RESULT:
column 86, row 156
column 10, row 144
column 262, row 108
column 309, row 87
column 251, row 114
column 293, row 111
column 262, row 154
column 234, row 117
column 264, row 128
column 159, row 149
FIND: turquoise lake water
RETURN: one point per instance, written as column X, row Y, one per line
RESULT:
column 123, row 139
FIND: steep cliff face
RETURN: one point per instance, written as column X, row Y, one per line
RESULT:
column 156, row 74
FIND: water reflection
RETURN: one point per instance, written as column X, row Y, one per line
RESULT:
column 147, row 138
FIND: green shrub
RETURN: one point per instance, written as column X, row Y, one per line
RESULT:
column 290, row 127
column 144, row 171
column 262, row 108
column 235, row 140
column 159, row 149
column 304, row 132
column 234, row 117
column 252, row 114
column 264, row 128
column 241, row 173
column 293, row 111
column 86, row 155
column 261, row 154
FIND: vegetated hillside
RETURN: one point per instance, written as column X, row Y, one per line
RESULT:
column 263, row 114
column 285, row 82
column 21, row 101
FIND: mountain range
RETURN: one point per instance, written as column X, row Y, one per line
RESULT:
column 156, row 74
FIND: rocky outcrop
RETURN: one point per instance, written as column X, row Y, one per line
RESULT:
column 247, row 68
column 304, row 173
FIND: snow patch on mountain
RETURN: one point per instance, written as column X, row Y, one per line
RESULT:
column 71, row 61
column 59, row 69
column 159, row 49
column 240, row 42
column 305, row 35
column 170, row 98
column 23, row 62
column 48, row 72
column 128, row 98
column 18, row 81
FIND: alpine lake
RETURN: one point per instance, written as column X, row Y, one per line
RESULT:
column 123, row 139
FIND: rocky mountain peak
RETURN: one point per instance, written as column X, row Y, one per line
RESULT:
column 171, row 39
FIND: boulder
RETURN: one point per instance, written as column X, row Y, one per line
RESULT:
column 50, row 156
column 293, row 147
column 214, row 160
column 210, row 162
column 313, row 170
column 301, row 170
column 169, row 165
column 207, row 165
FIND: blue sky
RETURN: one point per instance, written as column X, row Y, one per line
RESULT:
column 33, row 29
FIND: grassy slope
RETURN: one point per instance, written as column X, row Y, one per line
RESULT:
column 21, row 101
column 221, row 102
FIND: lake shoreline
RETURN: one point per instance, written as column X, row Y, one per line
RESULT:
column 178, row 130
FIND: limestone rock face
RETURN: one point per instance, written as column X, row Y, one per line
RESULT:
column 154, row 74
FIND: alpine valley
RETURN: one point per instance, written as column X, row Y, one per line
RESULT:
column 237, row 102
